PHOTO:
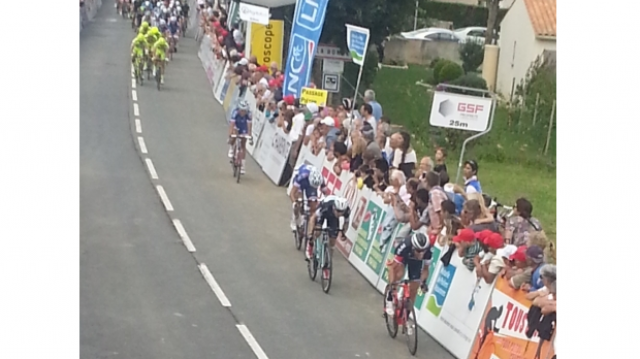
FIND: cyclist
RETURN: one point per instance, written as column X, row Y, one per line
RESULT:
column 159, row 53
column 329, row 211
column 138, row 47
column 415, row 252
column 306, row 182
column 144, row 28
column 174, row 32
column 240, row 124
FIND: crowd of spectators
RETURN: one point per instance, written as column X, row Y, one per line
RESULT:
column 362, row 140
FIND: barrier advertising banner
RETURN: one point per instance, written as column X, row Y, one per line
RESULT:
column 277, row 150
column 308, row 21
column 503, row 327
column 454, row 306
column 222, row 86
column 261, row 152
column 368, row 218
column 267, row 41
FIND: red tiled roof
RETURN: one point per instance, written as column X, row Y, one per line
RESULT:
column 542, row 14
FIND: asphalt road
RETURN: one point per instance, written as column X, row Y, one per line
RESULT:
column 142, row 294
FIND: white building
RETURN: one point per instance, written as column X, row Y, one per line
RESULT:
column 527, row 31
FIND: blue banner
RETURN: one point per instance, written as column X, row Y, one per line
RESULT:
column 308, row 21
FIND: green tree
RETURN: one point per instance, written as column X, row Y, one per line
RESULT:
column 472, row 56
column 381, row 17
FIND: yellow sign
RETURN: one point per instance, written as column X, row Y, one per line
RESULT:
column 317, row 96
column 266, row 42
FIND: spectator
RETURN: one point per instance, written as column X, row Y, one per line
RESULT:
column 472, row 217
column 470, row 173
column 454, row 192
column 486, row 215
column 523, row 267
column 372, row 146
column 366, row 113
column 271, row 111
column 434, row 209
column 535, row 256
column 468, row 247
column 340, row 151
column 299, row 121
column 419, row 215
column 426, row 165
column 376, row 108
column 403, row 157
column 359, row 145
column 440, row 165
column 273, row 68
column 450, row 218
column 331, row 131
column 491, row 264
column 521, row 224
column 546, row 296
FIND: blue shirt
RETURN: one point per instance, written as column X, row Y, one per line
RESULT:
column 239, row 120
column 301, row 180
column 536, row 279
column 377, row 110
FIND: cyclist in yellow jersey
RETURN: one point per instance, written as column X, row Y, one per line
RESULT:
column 159, row 50
column 144, row 28
column 152, row 36
column 138, row 46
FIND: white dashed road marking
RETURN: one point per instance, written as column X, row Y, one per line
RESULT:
column 257, row 350
column 164, row 198
column 143, row 146
column 133, row 83
column 136, row 110
column 134, row 95
column 138, row 126
column 214, row 285
column 183, row 234
column 152, row 169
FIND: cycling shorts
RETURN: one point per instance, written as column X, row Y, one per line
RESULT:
column 415, row 267
column 241, row 130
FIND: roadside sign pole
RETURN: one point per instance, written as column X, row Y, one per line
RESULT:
column 494, row 104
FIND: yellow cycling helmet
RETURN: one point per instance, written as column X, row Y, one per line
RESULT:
column 154, row 30
column 141, row 37
column 144, row 25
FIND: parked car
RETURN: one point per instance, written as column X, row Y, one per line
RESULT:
column 473, row 33
column 431, row 34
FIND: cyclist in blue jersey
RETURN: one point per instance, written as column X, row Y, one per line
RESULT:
column 306, row 182
column 174, row 32
column 240, row 124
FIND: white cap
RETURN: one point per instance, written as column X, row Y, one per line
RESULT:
column 328, row 121
column 312, row 107
column 264, row 82
column 507, row 251
column 244, row 61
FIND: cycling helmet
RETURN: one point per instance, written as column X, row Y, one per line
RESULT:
column 154, row 30
column 162, row 22
column 243, row 106
column 315, row 178
column 173, row 19
column 419, row 241
column 144, row 25
column 340, row 204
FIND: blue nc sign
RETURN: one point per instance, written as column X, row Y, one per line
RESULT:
column 308, row 21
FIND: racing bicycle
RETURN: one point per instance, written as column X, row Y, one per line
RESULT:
column 236, row 161
column 405, row 313
column 321, row 259
column 138, row 66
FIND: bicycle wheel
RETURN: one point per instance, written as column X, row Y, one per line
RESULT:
column 327, row 266
column 158, row 76
column 312, row 265
column 410, row 327
column 392, row 324
column 304, row 234
column 297, row 237
column 140, row 72
column 149, row 69
column 238, row 162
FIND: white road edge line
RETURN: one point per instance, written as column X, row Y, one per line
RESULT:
column 152, row 169
column 143, row 146
column 136, row 110
column 138, row 126
column 214, row 285
column 133, row 83
column 134, row 95
column 164, row 198
column 257, row 350
column 185, row 237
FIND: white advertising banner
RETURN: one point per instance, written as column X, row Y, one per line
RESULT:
column 220, row 85
column 454, row 306
column 277, row 153
column 257, row 123
column 461, row 112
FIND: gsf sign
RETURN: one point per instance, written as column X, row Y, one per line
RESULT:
column 461, row 112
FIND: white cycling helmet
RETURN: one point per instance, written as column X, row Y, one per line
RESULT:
column 340, row 204
column 243, row 105
column 162, row 22
column 173, row 19
column 315, row 178
column 419, row 241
